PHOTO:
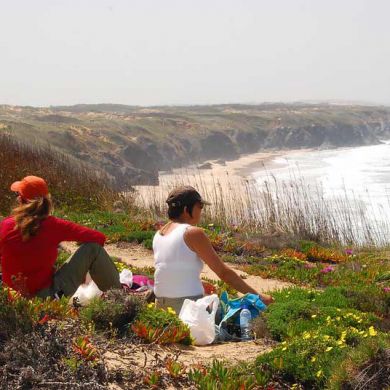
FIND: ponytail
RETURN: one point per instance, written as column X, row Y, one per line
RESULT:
column 29, row 215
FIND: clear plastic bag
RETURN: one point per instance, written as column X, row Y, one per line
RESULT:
column 200, row 317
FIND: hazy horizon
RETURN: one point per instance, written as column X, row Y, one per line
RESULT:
column 149, row 53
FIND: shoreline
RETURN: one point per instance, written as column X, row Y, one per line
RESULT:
column 243, row 167
column 229, row 176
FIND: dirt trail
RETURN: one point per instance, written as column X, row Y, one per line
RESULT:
column 145, row 356
column 137, row 255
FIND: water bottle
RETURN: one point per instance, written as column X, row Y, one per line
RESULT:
column 245, row 319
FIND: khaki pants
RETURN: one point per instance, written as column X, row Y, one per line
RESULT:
column 90, row 258
column 174, row 303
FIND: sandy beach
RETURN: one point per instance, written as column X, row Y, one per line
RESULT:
column 211, row 176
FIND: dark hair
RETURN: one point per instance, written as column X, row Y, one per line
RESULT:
column 29, row 215
column 180, row 197
column 174, row 212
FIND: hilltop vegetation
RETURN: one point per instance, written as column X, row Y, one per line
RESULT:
column 132, row 143
column 329, row 331
column 71, row 183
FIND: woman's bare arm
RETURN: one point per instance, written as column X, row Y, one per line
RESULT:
column 197, row 240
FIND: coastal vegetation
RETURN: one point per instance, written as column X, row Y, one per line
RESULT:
column 329, row 330
column 131, row 144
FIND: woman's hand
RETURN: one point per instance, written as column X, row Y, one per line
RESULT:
column 267, row 299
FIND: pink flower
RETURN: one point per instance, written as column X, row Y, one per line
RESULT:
column 386, row 289
column 309, row 265
column 327, row 269
column 349, row 252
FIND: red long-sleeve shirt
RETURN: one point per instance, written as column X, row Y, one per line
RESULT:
column 32, row 261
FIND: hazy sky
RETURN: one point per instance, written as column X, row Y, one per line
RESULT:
column 150, row 52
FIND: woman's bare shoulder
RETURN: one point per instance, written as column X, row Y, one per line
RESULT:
column 195, row 232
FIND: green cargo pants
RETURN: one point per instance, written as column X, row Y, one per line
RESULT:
column 90, row 258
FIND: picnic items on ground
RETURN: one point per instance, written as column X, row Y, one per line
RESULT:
column 126, row 277
column 134, row 283
column 245, row 323
column 228, row 318
column 199, row 315
column 86, row 292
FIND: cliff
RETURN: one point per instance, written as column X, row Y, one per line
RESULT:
column 133, row 143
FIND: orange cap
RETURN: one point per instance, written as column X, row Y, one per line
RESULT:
column 31, row 187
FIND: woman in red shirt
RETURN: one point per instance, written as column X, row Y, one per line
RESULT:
column 29, row 242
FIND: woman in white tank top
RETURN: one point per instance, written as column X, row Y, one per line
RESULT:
column 180, row 250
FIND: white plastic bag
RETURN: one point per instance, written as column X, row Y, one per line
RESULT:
column 199, row 320
column 86, row 292
column 126, row 277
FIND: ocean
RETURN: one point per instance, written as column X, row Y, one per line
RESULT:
column 359, row 176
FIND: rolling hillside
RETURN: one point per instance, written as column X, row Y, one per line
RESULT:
column 133, row 143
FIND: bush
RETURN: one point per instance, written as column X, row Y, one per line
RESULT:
column 365, row 367
column 222, row 377
column 140, row 236
column 22, row 315
column 308, row 361
column 161, row 326
column 319, row 254
column 115, row 311
column 45, row 358
column 72, row 184
column 317, row 329
column 298, row 310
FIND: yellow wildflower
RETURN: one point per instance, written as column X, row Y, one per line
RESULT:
column 319, row 373
column 328, row 349
column 150, row 305
column 326, row 337
column 170, row 310
column 313, row 359
column 284, row 348
column 371, row 331
column 314, row 316
column 306, row 336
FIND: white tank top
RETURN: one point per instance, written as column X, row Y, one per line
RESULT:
column 178, row 268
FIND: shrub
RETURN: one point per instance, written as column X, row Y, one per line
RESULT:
column 44, row 358
column 366, row 367
column 161, row 326
column 140, row 236
column 115, row 311
column 308, row 361
column 292, row 253
column 298, row 310
column 22, row 315
column 72, row 184
column 219, row 376
column 318, row 254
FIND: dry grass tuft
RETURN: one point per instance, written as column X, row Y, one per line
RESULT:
column 72, row 185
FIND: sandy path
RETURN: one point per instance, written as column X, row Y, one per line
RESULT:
column 139, row 256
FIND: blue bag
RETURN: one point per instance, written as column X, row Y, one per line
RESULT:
column 230, row 310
